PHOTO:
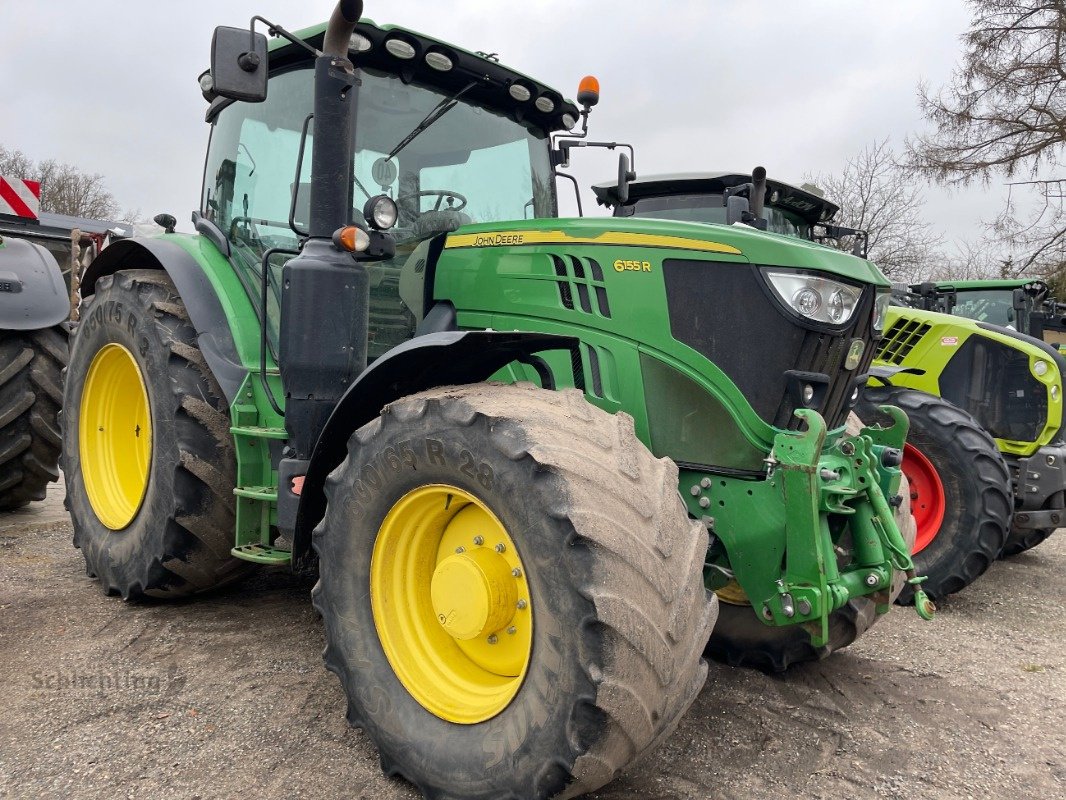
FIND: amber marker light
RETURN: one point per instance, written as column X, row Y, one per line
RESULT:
column 588, row 91
column 351, row 238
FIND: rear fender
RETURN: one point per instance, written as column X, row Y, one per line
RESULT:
column 451, row 358
column 33, row 294
column 227, row 329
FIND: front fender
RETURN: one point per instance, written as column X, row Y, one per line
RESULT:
column 218, row 307
column 436, row 359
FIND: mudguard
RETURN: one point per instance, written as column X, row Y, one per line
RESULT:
column 199, row 294
column 436, row 359
column 33, row 295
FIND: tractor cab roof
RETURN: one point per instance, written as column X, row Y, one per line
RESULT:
column 782, row 195
column 417, row 57
column 990, row 284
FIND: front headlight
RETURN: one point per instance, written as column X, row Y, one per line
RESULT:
column 814, row 297
column 881, row 304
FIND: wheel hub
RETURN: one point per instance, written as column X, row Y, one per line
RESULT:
column 474, row 593
column 928, row 501
column 451, row 603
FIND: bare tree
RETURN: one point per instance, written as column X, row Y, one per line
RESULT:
column 877, row 196
column 64, row 188
column 970, row 261
column 1004, row 114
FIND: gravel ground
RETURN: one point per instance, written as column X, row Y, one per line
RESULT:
column 226, row 696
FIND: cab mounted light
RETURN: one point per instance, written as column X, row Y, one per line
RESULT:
column 401, row 49
column 381, row 212
column 520, row 93
column 351, row 239
column 442, row 62
column 545, row 104
column 360, row 44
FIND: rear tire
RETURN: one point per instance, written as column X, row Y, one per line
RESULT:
column 1022, row 539
column 31, row 391
column 179, row 538
column 619, row 615
column 740, row 639
column 976, row 504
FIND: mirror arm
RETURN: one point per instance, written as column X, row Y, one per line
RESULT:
column 277, row 30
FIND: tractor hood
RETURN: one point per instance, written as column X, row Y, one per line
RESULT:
column 726, row 242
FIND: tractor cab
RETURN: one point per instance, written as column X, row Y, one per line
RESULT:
column 442, row 138
column 1021, row 304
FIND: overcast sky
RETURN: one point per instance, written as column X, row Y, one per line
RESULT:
column 110, row 86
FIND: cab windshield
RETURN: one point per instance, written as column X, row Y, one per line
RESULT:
column 474, row 164
column 709, row 208
column 994, row 306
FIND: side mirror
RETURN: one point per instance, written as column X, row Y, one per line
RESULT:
column 625, row 175
column 736, row 209
column 239, row 64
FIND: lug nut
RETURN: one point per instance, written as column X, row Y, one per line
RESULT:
column 705, row 502
column 695, row 490
column 479, row 540
column 500, row 547
column 706, row 483
column 516, row 573
column 493, row 639
column 459, row 550
column 512, row 630
column 522, row 604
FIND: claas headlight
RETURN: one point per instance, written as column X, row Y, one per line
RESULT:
column 381, row 212
column 816, row 298
column 881, row 304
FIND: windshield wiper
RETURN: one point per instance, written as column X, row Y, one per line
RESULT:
column 442, row 108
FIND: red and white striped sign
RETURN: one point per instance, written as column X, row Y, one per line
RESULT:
column 19, row 197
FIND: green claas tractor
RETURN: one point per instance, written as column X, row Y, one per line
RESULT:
column 1022, row 304
column 33, row 352
column 519, row 448
column 1012, row 385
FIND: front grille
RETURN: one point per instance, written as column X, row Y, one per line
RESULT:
column 581, row 279
column 992, row 382
column 901, row 338
column 725, row 312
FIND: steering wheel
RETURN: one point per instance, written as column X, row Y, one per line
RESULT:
column 440, row 194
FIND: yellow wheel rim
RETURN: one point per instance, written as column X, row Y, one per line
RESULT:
column 115, row 436
column 451, row 604
column 732, row 593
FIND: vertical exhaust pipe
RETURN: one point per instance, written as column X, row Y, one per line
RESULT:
column 325, row 293
column 758, row 191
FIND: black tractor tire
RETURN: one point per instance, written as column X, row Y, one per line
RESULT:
column 615, row 577
column 31, row 391
column 179, row 542
column 978, row 502
column 740, row 639
column 1019, row 540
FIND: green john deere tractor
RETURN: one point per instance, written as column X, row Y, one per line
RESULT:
column 519, row 447
column 984, row 454
column 33, row 352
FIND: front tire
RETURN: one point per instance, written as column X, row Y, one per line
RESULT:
column 31, row 391
column 610, row 592
column 147, row 452
column 960, row 489
column 1021, row 540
